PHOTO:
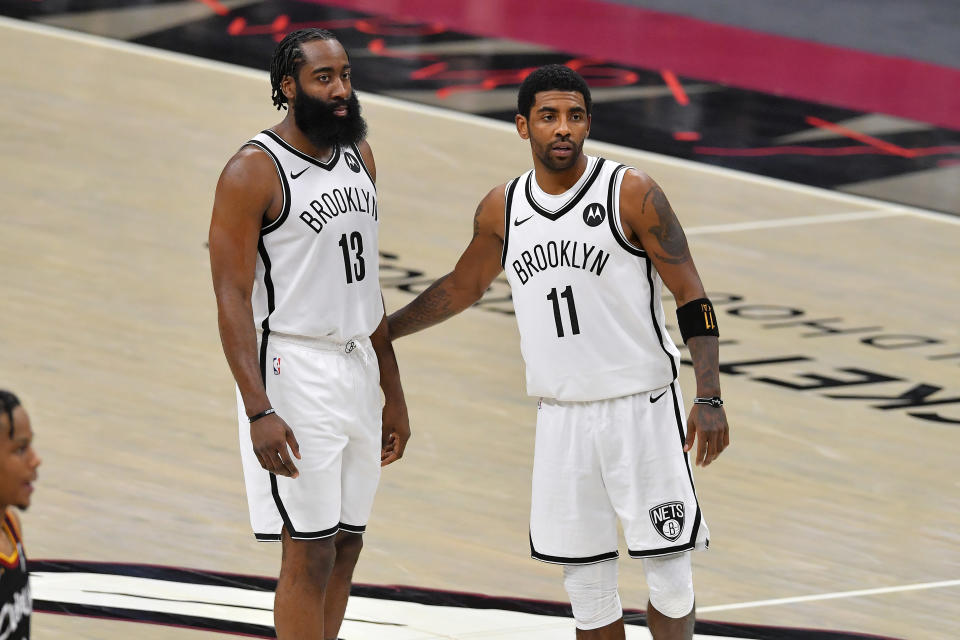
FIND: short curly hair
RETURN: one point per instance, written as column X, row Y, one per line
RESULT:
column 551, row 77
column 288, row 58
column 8, row 402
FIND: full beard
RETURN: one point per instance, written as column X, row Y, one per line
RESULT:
column 315, row 118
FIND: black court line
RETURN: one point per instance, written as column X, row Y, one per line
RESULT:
column 402, row 593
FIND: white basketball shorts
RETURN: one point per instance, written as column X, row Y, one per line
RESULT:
column 595, row 462
column 329, row 394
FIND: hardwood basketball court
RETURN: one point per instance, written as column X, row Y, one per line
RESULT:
column 110, row 154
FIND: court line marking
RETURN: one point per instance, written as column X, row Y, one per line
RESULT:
column 690, row 165
column 831, row 596
column 799, row 221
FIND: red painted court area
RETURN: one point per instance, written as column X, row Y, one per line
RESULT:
column 728, row 55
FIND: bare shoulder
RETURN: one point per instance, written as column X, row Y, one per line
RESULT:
column 489, row 215
column 636, row 186
column 496, row 198
column 367, row 153
column 249, row 168
column 248, row 185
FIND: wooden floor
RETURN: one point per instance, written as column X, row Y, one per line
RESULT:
column 108, row 160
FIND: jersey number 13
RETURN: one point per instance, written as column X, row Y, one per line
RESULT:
column 353, row 265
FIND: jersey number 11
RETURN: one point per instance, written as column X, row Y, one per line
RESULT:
column 571, row 306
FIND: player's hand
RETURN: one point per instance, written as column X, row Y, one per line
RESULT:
column 271, row 436
column 396, row 432
column 708, row 425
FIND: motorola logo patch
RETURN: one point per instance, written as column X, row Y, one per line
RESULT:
column 594, row 214
column 667, row 519
column 352, row 162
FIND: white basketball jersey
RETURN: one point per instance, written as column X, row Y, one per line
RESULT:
column 587, row 302
column 318, row 262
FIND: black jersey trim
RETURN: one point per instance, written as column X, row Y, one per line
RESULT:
column 697, row 517
column 678, row 414
column 315, row 535
column 264, row 339
column 664, row 551
column 271, row 305
column 267, row 537
column 267, row 226
column 363, row 164
column 294, row 534
column 506, row 220
column 275, row 491
column 613, row 209
column 353, row 528
column 328, row 165
column 554, row 215
column 600, row 557
column 653, row 320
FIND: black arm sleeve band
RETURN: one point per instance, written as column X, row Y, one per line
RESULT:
column 696, row 318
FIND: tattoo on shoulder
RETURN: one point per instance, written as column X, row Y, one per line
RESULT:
column 476, row 220
column 667, row 231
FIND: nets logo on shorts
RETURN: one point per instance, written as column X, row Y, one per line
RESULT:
column 667, row 519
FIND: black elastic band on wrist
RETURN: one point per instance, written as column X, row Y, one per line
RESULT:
column 696, row 318
column 262, row 414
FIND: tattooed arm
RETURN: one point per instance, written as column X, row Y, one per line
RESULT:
column 649, row 222
column 470, row 278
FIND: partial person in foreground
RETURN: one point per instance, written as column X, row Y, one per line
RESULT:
column 294, row 257
column 587, row 244
column 18, row 472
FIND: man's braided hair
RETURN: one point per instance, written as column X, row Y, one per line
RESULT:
column 288, row 57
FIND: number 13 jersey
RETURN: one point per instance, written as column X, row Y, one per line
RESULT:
column 318, row 262
column 587, row 301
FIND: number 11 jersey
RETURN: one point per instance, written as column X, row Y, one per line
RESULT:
column 587, row 301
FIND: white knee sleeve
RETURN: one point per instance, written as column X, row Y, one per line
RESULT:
column 670, row 579
column 593, row 594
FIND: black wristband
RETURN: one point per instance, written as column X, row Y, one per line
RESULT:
column 696, row 318
column 262, row 414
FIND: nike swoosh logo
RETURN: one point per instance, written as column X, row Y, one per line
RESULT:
column 517, row 223
column 294, row 176
column 652, row 399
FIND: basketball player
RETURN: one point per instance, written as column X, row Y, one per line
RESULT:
column 294, row 256
column 18, row 472
column 586, row 244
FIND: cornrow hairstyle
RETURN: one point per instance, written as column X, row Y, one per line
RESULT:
column 551, row 77
column 8, row 402
column 288, row 57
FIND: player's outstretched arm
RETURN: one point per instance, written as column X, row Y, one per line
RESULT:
column 650, row 222
column 470, row 278
column 396, row 422
column 244, row 194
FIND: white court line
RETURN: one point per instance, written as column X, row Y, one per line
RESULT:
column 794, row 222
column 830, row 596
column 206, row 64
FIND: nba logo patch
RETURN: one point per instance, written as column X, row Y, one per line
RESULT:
column 276, row 366
column 667, row 519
